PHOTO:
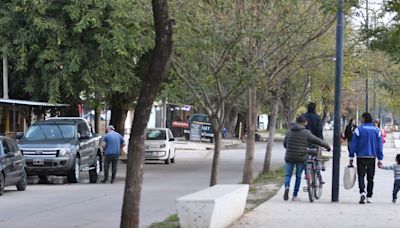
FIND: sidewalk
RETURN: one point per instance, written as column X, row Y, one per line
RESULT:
column 322, row 213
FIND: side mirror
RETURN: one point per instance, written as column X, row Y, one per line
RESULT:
column 171, row 139
column 10, row 155
column 19, row 135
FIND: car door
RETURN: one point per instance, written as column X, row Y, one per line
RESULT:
column 9, row 163
column 171, row 142
column 84, row 140
column 18, row 160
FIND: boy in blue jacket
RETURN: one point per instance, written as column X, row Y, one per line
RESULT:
column 367, row 145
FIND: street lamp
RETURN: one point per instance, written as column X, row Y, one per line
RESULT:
column 338, row 100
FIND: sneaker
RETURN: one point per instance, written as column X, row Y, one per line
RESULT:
column 362, row 198
column 369, row 200
column 393, row 201
column 295, row 198
column 104, row 181
column 286, row 195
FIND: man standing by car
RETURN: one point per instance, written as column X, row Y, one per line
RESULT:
column 314, row 121
column 112, row 144
column 367, row 144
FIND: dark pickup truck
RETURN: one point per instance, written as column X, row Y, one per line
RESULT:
column 61, row 146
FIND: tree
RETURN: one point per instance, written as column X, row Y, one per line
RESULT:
column 149, row 89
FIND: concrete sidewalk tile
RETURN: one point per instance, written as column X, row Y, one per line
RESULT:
column 322, row 213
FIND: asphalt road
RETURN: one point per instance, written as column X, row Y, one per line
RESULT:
column 99, row 205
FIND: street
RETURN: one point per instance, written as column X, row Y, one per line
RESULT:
column 99, row 205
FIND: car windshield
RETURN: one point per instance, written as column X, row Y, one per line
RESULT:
column 201, row 118
column 156, row 135
column 50, row 131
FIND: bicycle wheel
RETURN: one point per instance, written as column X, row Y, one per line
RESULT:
column 310, row 177
column 318, row 184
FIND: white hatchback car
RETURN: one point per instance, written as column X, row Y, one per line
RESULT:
column 160, row 145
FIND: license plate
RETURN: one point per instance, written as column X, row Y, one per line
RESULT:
column 38, row 162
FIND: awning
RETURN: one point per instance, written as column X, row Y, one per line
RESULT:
column 30, row 103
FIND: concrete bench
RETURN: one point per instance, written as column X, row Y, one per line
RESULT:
column 215, row 207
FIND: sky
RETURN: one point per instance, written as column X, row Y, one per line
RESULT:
column 358, row 17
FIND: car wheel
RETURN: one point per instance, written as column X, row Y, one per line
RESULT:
column 173, row 158
column 211, row 140
column 2, row 184
column 167, row 161
column 74, row 174
column 94, row 173
column 21, row 185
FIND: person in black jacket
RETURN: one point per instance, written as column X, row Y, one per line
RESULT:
column 348, row 133
column 314, row 121
column 297, row 139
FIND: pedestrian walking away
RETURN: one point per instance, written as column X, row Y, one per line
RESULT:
column 314, row 122
column 367, row 145
column 296, row 143
column 112, row 144
column 348, row 133
column 396, row 170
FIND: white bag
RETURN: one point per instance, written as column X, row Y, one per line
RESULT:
column 349, row 178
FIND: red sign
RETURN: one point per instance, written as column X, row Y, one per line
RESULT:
column 178, row 124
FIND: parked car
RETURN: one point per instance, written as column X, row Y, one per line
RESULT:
column 206, row 128
column 12, row 166
column 160, row 145
column 63, row 146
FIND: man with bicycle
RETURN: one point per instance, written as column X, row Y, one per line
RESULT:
column 367, row 145
column 296, row 142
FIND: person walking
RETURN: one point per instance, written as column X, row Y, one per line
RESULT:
column 112, row 144
column 377, row 124
column 348, row 133
column 296, row 143
column 314, row 122
column 396, row 170
column 367, row 145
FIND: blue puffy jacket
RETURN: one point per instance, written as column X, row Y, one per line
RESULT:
column 366, row 142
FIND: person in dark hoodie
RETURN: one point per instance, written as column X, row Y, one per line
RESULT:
column 296, row 142
column 314, row 122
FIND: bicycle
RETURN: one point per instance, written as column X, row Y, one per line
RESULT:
column 314, row 167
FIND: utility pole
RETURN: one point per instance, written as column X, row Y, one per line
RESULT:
column 5, row 77
column 338, row 100
column 375, row 113
column 366, row 62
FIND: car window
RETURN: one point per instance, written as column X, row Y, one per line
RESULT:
column 6, row 148
column 50, row 131
column 156, row 135
column 170, row 136
column 201, row 118
column 13, row 147
column 83, row 129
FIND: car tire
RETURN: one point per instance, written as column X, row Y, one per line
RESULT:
column 2, row 184
column 211, row 140
column 187, row 136
column 173, row 158
column 21, row 185
column 168, row 160
column 94, row 173
column 73, row 175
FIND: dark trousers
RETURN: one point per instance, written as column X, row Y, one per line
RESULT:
column 366, row 166
column 113, row 159
column 396, row 189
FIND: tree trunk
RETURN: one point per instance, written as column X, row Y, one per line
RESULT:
column 97, row 119
column 217, row 151
column 120, row 103
column 251, row 131
column 271, row 134
column 232, row 119
column 148, row 92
